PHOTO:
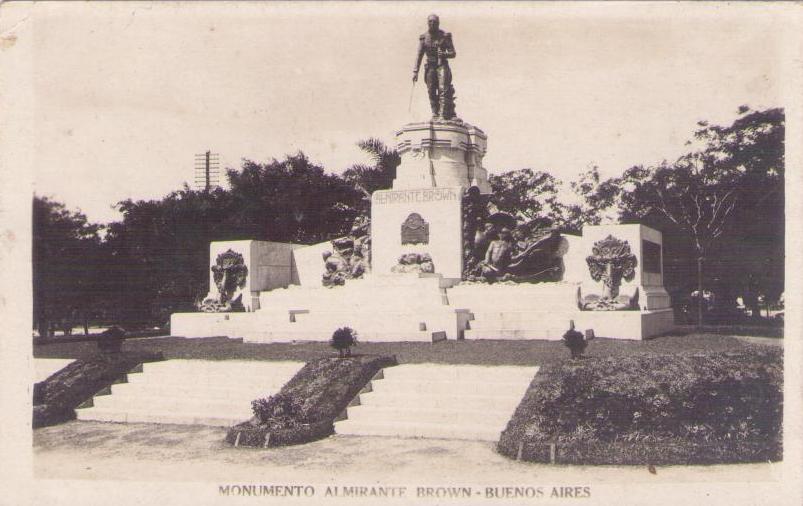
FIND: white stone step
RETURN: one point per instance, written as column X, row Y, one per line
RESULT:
column 442, row 402
column 439, row 401
column 370, row 295
column 435, row 415
column 507, row 297
column 238, row 367
column 515, row 334
column 465, row 372
column 379, row 337
column 493, row 387
column 523, row 319
column 148, row 416
column 193, row 392
column 176, row 404
column 418, row 430
column 146, row 388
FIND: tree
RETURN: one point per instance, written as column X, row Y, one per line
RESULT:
column 291, row 201
column 380, row 176
column 528, row 195
column 67, row 284
column 736, row 173
column 342, row 340
column 159, row 252
column 598, row 200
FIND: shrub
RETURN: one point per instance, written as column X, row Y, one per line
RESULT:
column 714, row 407
column 575, row 341
column 343, row 339
column 111, row 340
column 280, row 410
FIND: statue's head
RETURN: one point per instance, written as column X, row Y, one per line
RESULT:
column 504, row 234
column 433, row 22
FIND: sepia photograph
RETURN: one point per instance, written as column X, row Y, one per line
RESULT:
column 410, row 252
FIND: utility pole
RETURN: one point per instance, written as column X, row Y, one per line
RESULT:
column 207, row 170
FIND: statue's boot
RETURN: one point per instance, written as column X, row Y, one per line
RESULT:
column 434, row 104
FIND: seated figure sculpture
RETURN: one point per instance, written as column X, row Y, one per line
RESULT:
column 497, row 257
column 520, row 256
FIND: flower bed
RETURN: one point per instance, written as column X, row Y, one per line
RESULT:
column 701, row 408
column 306, row 407
column 56, row 398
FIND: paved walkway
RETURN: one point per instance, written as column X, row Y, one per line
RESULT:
column 149, row 452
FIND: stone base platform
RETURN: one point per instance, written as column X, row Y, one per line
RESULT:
column 551, row 325
column 404, row 307
column 423, row 308
column 544, row 311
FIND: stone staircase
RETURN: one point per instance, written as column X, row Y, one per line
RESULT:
column 524, row 311
column 190, row 392
column 381, row 308
column 440, row 401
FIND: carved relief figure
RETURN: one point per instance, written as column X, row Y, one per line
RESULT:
column 537, row 253
column 611, row 262
column 531, row 253
column 477, row 231
column 350, row 257
column 230, row 275
column 414, row 262
column 497, row 257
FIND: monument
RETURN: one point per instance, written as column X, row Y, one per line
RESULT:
column 437, row 260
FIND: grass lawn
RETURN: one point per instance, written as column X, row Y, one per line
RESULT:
column 481, row 352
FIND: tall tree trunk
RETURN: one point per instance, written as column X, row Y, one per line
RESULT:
column 699, row 292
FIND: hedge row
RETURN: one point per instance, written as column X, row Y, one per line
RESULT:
column 653, row 409
column 306, row 407
column 56, row 398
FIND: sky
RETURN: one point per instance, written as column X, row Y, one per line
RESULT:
column 126, row 94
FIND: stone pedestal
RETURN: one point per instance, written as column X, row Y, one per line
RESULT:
column 647, row 245
column 441, row 154
column 270, row 265
column 437, row 232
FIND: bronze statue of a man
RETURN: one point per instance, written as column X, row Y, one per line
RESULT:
column 438, row 47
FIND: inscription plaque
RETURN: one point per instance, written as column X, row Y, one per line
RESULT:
column 651, row 252
column 415, row 230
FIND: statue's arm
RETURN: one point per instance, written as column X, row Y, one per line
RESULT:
column 418, row 57
column 447, row 50
column 489, row 252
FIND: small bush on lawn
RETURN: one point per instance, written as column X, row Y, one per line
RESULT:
column 343, row 339
column 279, row 411
column 306, row 407
column 111, row 340
column 575, row 341
column 660, row 409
